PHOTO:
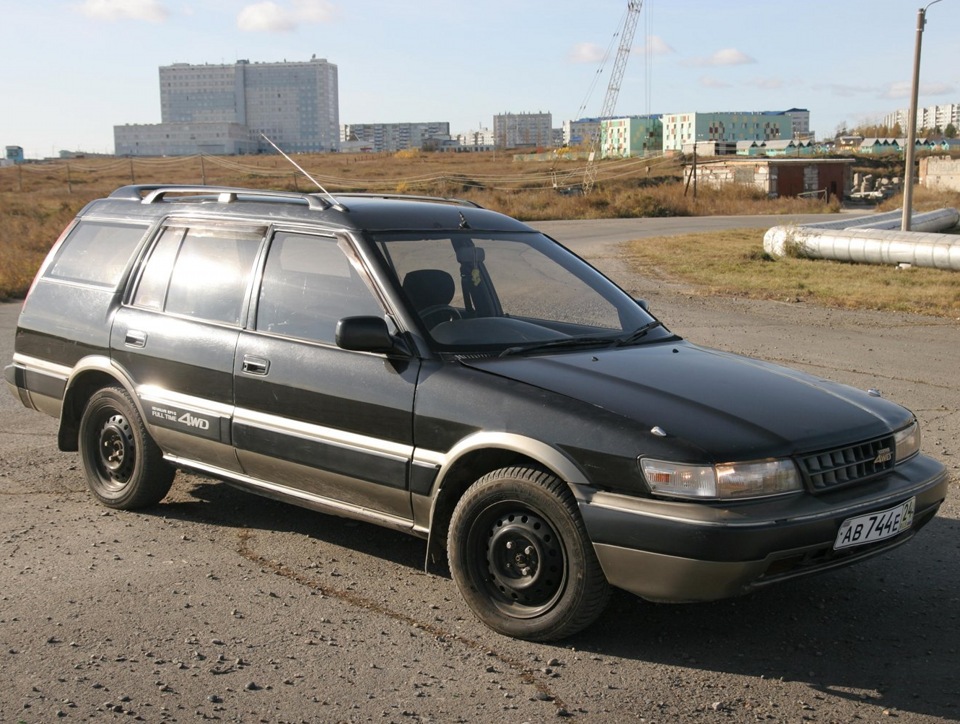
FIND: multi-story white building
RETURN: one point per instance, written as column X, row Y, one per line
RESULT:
column 480, row 140
column 226, row 108
column 928, row 118
column 390, row 137
column 680, row 129
column 630, row 136
column 513, row 130
column 184, row 139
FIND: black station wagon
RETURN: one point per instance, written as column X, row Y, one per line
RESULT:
column 444, row 370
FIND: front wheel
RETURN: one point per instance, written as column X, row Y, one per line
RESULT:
column 123, row 465
column 520, row 555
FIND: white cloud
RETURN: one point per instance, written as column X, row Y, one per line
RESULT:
column 730, row 56
column 150, row 10
column 726, row 56
column 266, row 17
column 901, row 89
column 707, row 81
column 313, row 11
column 271, row 17
column 767, row 83
column 655, row 46
column 587, row 53
column 842, row 90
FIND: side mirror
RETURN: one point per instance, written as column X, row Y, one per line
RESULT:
column 366, row 334
column 643, row 304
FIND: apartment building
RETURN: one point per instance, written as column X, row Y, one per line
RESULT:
column 392, row 137
column 680, row 129
column 516, row 130
column 630, row 136
column 224, row 109
column 928, row 118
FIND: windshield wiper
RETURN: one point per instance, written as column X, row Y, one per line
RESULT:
column 583, row 342
column 565, row 343
column 638, row 334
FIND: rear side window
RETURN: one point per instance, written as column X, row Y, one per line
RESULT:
column 199, row 272
column 96, row 252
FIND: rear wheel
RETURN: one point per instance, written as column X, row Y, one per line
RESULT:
column 124, row 466
column 520, row 555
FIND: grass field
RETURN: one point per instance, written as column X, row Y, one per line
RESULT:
column 38, row 200
column 733, row 263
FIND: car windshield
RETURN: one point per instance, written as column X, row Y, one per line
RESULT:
column 509, row 293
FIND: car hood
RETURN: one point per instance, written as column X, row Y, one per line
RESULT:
column 728, row 406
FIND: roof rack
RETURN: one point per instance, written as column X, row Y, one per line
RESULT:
column 155, row 193
column 413, row 197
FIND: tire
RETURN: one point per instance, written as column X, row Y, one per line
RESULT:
column 520, row 555
column 123, row 465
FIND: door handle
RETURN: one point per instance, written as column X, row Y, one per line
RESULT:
column 255, row 365
column 135, row 338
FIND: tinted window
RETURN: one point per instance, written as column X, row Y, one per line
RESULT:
column 211, row 270
column 474, row 290
column 525, row 276
column 96, row 252
column 152, row 289
column 309, row 284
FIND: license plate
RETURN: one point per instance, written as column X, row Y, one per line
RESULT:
column 877, row 526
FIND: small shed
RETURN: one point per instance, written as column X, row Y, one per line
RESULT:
column 826, row 178
column 14, row 154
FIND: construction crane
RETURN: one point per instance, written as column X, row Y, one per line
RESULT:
column 626, row 32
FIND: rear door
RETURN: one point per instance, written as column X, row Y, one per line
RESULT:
column 177, row 337
column 313, row 420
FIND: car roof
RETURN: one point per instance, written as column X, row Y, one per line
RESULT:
column 358, row 212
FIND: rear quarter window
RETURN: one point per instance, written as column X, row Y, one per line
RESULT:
column 96, row 252
column 199, row 272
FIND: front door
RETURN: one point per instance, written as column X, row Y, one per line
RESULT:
column 313, row 420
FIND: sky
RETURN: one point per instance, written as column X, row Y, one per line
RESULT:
column 72, row 69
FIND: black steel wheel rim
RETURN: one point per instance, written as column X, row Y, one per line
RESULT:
column 116, row 451
column 523, row 562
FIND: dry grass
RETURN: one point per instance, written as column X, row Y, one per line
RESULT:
column 38, row 200
column 29, row 224
column 733, row 263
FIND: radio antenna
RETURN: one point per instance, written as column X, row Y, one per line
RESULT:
column 333, row 200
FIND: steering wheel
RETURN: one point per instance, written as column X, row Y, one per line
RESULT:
column 440, row 313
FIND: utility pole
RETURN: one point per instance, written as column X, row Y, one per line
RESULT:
column 912, row 126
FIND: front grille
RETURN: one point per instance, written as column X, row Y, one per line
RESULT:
column 849, row 465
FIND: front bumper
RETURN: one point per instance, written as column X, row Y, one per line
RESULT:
column 696, row 551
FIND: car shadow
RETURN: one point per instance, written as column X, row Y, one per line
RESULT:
column 884, row 631
column 220, row 504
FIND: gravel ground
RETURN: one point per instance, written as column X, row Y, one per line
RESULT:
column 223, row 606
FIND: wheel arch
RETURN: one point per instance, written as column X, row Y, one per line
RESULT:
column 90, row 375
column 474, row 457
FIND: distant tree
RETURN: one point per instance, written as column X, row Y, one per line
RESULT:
column 874, row 130
column 897, row 131
column 950, row 131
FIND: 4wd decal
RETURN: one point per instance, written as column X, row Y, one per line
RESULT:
column 194, row 423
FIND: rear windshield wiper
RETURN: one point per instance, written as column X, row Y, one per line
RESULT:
column 565, row 343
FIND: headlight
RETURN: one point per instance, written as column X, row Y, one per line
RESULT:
column 907, row 441
column 729, row 480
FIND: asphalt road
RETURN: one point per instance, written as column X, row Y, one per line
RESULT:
column 220, row 605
